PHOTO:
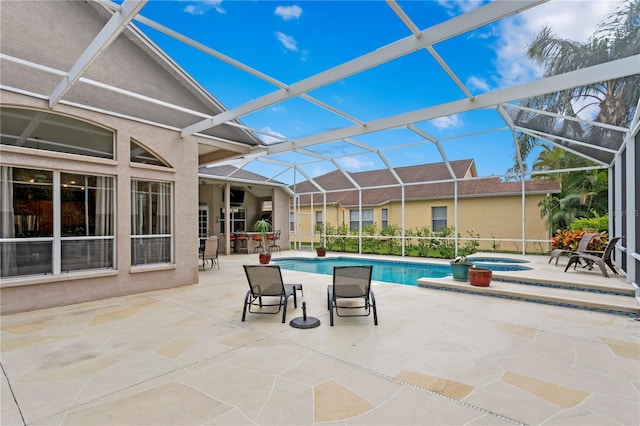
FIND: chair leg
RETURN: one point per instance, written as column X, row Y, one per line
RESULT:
column 613, row 269
column 572, row 260
column 246, row 303
column 330, row 304
column 284, row 308
column 603, row 268
column 375, row 309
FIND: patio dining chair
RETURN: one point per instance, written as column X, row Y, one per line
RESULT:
column 582, row 248
column 274, row 237
column 600, row 261
column 210, row 252
column 349, row 283
column 266, row 281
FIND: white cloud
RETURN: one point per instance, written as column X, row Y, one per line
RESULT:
column 453, row 7
column 268, row 139
column 481, row 84
column 447, row 122
column 203, row 6
column 288, row 13
column 287, row 41
column 514, row 34
column 353, row 163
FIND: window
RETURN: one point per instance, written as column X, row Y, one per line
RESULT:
column 438, row 218
column 86, row 221
column 140, row 154
column 292, row 222
column 48, row 131
column 367, row 218
column 319, row 220
column 385, row 218
column 54, row 222
column 151, row 231
column 203, row 221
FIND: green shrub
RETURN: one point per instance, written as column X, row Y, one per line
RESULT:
column 597, row 223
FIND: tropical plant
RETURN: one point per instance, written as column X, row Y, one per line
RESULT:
column 319, row 230
column 616, row 37
column 569, row 240
column 262, row 226
column 460, row 260
column 585, row 191
column 597, row 223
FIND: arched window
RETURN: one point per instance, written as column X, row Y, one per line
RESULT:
column 48, row 131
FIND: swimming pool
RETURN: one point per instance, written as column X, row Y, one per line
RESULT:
column 474, row 259
column 383, row 270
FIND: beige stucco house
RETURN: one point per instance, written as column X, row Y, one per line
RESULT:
column 99, row 188
column 498, row 212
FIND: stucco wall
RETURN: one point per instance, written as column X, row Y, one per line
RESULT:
column 28, row 293
column 489, row 217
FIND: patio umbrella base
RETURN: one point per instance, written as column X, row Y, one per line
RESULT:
column 304, row 321
column 301, row 322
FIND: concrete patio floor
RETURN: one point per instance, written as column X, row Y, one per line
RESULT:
column 184, row 357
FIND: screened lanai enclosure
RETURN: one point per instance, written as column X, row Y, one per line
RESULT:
column 400, row 115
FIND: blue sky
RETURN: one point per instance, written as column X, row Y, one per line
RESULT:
column 290, row 41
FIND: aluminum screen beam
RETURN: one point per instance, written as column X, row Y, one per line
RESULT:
column 451, row 28
column 602, row 72
column 116, row 24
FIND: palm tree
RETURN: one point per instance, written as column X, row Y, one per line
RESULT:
column 616, row 37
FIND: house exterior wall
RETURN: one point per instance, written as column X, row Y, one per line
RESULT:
column 498, row 217
column 34, row 292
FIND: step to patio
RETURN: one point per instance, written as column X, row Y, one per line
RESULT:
column 569, row 295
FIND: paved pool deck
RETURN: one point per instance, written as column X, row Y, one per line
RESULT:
column 184, row 357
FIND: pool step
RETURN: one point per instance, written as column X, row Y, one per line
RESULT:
column 571, row 295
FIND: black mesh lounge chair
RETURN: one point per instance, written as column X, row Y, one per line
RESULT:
column 351, row 282
column 600, row 261
column 210, row 252
column 582, row 248
column 266, row 281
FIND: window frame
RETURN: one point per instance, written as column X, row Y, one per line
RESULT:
column 437, row 217
column 150, row 243
column 354, row 218
column 89, row 250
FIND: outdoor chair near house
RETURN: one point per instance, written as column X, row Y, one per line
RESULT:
column 265, row 281
column 259, row 247
column 351, row 283
column 274, row 238
column 600, row 261
column 582, row 248
column 241, row 243
column 210, row 252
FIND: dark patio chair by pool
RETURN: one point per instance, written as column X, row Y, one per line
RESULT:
column 210, row 252
column 349, row 283
column 600, row 261
column 266, row 281
column 582, row 248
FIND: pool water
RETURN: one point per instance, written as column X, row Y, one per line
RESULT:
column 383, row 270
column 495, row 260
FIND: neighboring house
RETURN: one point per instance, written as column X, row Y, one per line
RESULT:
column 99, row 190
column 487, row 207
column 251, row 197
